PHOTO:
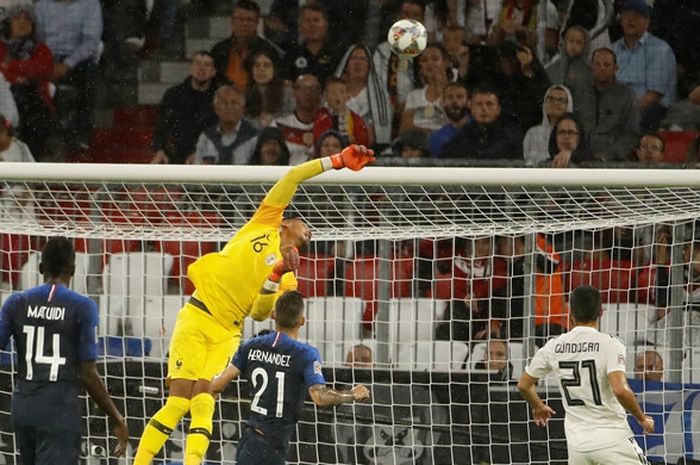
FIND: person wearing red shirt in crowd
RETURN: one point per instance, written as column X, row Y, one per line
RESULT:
column 336, row 115
column 27, row 64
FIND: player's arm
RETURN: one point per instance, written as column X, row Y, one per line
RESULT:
column 265, row 300
column 354, row 157
column 87, row 347
column 527, row 385
column 625, row 395
column 6, row 317
column 219, row 383
column 323, row 396
column 98, row 392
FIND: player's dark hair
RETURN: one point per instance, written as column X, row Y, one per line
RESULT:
column 249, row 5
column 607, row 50
column 316, row 8
column 57, row 257
column 585, row 304
column 288, row 309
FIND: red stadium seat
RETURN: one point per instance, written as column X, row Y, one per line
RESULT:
column 614, row 278
column 136, row 115
column 360, row 275
column 676, row 143
column 316, row 275
column 14, row 252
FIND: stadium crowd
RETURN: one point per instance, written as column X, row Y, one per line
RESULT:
column 499, row 82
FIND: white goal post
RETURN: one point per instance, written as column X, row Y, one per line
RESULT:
column 434, row 270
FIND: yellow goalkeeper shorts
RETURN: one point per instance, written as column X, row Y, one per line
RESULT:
column 200, row 347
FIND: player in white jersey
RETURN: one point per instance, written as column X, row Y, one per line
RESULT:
column 590, row 366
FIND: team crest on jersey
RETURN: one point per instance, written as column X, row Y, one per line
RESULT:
column 270, row 259
column 178, row 363
column 317, row 368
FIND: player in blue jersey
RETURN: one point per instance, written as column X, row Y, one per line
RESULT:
column 54, row 330
column 281, row 370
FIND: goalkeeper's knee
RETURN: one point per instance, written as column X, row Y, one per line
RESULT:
column 201, row 413
column 159, row 428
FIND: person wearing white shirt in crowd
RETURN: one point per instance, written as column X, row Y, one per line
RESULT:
column 557, row 102
column 590, row 366
column 232, row 140
column 11, row 148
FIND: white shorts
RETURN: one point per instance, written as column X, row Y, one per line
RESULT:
column 624, row 453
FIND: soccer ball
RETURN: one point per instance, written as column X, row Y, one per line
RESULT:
column 407, row 38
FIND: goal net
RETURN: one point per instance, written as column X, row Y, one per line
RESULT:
column 432, row 286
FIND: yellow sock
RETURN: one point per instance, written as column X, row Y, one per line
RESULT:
column 159, row 428
column 201, row 414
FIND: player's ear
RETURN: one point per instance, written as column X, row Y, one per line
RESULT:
column 273, row 316
column 302, row 321
column 41, row 268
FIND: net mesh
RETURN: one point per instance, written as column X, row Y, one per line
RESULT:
column 450, row 289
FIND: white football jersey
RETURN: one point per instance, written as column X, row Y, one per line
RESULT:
column 581, row 360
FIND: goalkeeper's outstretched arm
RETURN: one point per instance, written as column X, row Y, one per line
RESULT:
column 354, row 157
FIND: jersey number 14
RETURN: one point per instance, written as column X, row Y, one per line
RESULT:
column 30, row 357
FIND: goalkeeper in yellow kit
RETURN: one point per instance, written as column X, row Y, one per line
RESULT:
column 244, row 278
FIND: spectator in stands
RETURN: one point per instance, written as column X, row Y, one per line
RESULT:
column 298, row 126
column 11, row 148
column 185, row 111
column 231, row 56
column 650, row 150
column 567, row 143
column 608, row 111
column 317, row 53
column 522, row 82
column 691, row 294
column 508, row 303
column 328, row 143
column 360, row 356
column 423, row 110
column 72, row 30
column 27, row 65
column 232, row 139
column 480, row 17
column 647, row 65
column 455, row 103
column 411, row 144
column 398, row 76
column 270, row 149
column 268, row 96
column 457, row 49
column 551, row 34
column 368, row 98
column 551, row 311
column 571, row 69
column 336, row 115
column 496, row 360
column 557, row 102
column 516, row 22
column 490, row 136
column 693, row 153
column 649, row 366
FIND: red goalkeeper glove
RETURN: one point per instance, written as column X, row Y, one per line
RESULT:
column 289, row 262
column 354, row 157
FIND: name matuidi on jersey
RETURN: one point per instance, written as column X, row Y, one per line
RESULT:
column 576, row 347
column 47, row 313
column 269, row 357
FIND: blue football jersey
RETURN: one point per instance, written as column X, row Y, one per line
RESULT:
column 54, row 329
column 279, row 370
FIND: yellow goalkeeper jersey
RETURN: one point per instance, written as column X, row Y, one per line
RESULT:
column 229, row 281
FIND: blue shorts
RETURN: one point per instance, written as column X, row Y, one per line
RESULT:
column 47, row 447
column 257, row 449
